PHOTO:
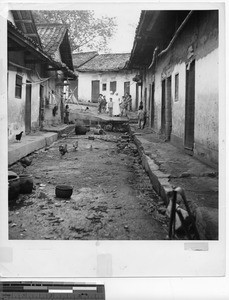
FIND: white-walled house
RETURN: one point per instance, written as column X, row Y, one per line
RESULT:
column 32, row 75
column 179, row 63
column 103, row 73
column 55, row 42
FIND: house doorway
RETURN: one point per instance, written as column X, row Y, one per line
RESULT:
column 163, row 107
column 126, row 87
column 113, row 86
column 152, row 105
column 28, row 107
column 168, row 129
column 41, row 113
column 145, row 98
column 137, row 97
column 189, row 108
column 95, row 90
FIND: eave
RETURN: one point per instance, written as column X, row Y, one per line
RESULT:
column 27, row 44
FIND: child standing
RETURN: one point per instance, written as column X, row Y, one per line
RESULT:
column 110, row 107
column 141, row 116
column 66, row 114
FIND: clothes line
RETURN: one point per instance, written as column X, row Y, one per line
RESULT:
column 19, row 66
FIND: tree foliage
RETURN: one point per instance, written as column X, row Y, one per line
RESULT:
column 86, row 32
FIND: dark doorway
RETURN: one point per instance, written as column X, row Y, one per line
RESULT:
column 190, row 108
column 168, row 129
column 28, row 107
column 163, row 107
column 113, row 86
column 42, row 107
column 145, row 98
column 126, row 87
column 152, row 104
column 94, row 90
column 137, row 95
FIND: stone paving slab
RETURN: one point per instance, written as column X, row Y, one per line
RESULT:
column 169, row 167
column 29, row 144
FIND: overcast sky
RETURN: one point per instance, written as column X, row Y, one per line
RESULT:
column 127, row 21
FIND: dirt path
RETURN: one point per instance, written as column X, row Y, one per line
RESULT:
column 112, row 196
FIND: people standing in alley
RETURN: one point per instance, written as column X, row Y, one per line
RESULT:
column 104, row 104
column 144, row 118
column 100, row 102
column 66, row 111
column 122, row 105
column 110, row 97
column 116, row 107
column 129, row 100
column 110, row 107
column 140, row 117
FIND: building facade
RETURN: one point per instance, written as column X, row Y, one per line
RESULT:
column 35, row 77
column 103, row 74
column 180, row 79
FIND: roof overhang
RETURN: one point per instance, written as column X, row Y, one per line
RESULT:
column 155, row 30
column 17, row 41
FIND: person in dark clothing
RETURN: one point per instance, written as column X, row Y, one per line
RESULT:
column 100, row 102
column 140, row 116
column 66, row 114
column 144, row 119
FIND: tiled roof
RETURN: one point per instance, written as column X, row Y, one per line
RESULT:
column 31, row 43
column 51, row 36
column 106, row 62
column 22, row 34
column 82, row 57
column 24, row 21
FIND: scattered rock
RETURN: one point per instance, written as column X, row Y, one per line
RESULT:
column 185, row 175
column 162, row 210
column 42, row 206
column 42, row 195
column 126, row 228
column 13, row 225
column 118, row 207
column 41, row 184
column 77, row 229
column 57, row 204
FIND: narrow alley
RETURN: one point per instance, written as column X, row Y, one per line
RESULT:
column 112, row 195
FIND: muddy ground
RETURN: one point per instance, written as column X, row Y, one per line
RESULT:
column 112, row 196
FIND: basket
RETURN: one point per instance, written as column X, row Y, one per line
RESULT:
column 64, row 191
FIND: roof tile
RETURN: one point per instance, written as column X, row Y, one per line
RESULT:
column 51, row 36
column 106, row 62
column 82, row 57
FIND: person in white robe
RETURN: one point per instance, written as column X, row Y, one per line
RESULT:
column 116, row 105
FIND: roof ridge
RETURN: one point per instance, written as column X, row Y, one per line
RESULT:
column 114, row 53
column 85, row 52
column 51, row 24
column 87, row 61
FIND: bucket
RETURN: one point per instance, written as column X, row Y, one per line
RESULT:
column 13, row 186
column 26, row 183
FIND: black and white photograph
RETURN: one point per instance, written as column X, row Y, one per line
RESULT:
column 113, row 165
column 108, row 139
